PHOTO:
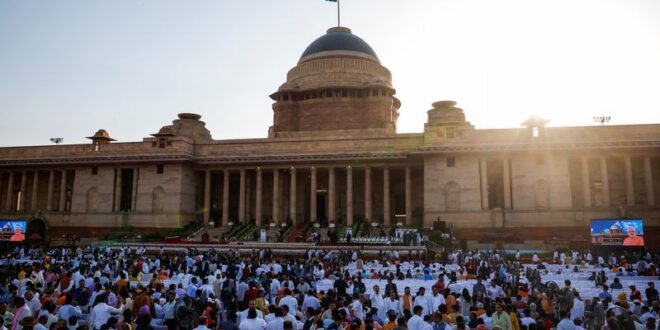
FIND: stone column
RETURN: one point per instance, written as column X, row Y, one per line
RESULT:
column 408, row 196
column 584, row 161
column 630, row 189
column 257, row 207
column 51, row 183
column 136, row 174
column 225, row 198
column 63, row 191
column 117, row 190
column 332, row 203
column 10, row 192
column 35, row 190
column 605, row 182
column 276, row 196
column 312, row 199
column 21, row 205
column 367, row 194
column 506, row 178
column 349, row 196
column 648, row 179
column 386, row 196
column 241, row 197
column 483, row 173
column 293, row 207
column 207, row 197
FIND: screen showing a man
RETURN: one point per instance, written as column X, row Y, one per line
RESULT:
column 618, row 232
column 633, row 239
column 13, row 230
column 18, row 235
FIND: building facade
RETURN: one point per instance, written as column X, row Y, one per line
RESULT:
column 333, row 153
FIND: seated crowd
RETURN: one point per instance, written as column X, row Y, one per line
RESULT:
column 128, row 288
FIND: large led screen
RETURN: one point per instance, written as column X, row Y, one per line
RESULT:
column 617, row 232
column 12, row 230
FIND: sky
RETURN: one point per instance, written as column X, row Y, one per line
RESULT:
column 69, row 68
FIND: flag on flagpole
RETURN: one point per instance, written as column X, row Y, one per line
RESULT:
column 331, row 0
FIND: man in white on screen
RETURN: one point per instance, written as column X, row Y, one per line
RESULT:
column 252, row 322
column 416, row 322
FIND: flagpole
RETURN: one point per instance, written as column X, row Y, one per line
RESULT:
column 338, row 15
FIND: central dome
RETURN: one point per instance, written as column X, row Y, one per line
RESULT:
column 339, row 39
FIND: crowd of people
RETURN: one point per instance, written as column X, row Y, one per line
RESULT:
column 121, row 288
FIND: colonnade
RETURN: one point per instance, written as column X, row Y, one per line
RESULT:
column 292, row 202
column 16, row 201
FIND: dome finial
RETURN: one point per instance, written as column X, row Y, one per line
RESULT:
column 339, row 29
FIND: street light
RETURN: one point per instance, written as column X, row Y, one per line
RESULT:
column 602, row 120
column 56, row 140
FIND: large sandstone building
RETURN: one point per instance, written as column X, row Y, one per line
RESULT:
column 333, row 153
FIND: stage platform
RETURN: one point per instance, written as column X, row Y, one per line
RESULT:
column 297, row 249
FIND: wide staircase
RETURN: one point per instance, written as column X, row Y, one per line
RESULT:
column 295, row 236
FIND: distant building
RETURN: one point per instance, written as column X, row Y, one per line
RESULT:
column 334, row 155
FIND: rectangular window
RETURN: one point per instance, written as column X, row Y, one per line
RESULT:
column 95, row 170
column 535, row 131
column 450, row 133
column 160, row 169
column 451, row 161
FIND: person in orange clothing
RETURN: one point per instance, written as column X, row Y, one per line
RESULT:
column 450, row 301
column 633, row 239
column 142, row 299
column 18, row 235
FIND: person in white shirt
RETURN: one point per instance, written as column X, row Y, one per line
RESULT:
column 436, row 299
column 358, row 307
column 202, row 324
column 416, row 322
column 244, row 314
column 391, row 304
column 32, row 302
column 377, row 302
column 252, row 322
column 495, row 291
column 526, row 320
column 577, row 311
column 290, row 301
column 423, row 301
column 310, row 301
column 102, row 312
column 277, row 323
